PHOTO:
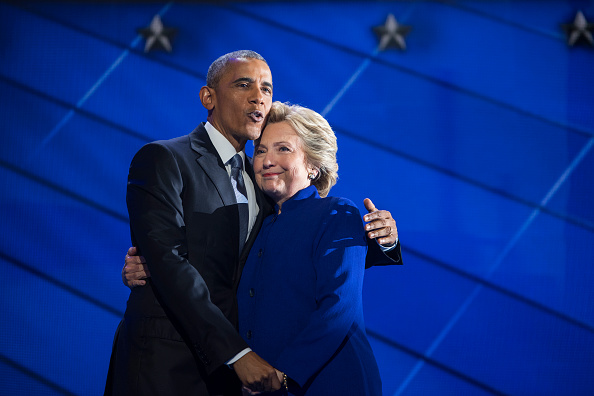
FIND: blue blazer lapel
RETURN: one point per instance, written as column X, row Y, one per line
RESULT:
column 210, row 162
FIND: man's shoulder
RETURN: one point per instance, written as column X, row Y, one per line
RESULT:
column 196, row 138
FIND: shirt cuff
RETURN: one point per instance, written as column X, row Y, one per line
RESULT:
column 388, row 248
column 239, row 356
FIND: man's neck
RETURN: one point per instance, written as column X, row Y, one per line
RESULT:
column 222, row 145
column 237, row 143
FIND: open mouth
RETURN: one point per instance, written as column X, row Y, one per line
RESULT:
column 256, row 116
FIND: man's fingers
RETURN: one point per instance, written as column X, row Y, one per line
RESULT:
column 276, row 384
column 134, row 260
column 388, row 241
column 133, row 254
column 256, row 374
column 369, row 205
column 271, row 383
column 135, row 283
column 376, row 224
column 135, row 271
column 381, row 231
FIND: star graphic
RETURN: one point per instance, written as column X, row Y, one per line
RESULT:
column 157, row 36
column 391, row 34
column 578, row 29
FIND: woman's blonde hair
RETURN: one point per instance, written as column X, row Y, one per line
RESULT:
column 319, row 141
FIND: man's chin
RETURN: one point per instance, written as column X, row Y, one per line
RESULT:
column 254, row 132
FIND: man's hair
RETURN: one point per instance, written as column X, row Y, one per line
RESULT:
column 217, row 68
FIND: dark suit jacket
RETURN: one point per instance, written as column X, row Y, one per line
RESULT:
column 177, row 334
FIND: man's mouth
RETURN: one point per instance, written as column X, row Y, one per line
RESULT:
column 256, row 116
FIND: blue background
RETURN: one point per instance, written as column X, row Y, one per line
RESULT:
column 479, row 138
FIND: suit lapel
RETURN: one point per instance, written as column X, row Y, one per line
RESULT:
column 209, row 160
column 265, row 209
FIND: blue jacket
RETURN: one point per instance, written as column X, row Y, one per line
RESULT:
column 300, row 296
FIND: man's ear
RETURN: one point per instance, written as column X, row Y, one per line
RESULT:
column 207, row 97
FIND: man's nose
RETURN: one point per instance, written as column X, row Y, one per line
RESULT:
column 257, row 96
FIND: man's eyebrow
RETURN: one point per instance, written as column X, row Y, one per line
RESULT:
column 244, row 79
column 251, row 81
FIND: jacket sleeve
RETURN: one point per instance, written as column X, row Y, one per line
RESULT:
column 377, row 257
column 154, row 200
column 339, row 264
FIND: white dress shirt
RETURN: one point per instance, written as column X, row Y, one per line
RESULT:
column 226, row 151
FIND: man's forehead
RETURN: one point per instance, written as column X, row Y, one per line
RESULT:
column 250, row 68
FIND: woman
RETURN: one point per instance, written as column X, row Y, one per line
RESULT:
column 299, row 297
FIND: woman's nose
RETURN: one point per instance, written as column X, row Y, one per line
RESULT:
column 268, row 160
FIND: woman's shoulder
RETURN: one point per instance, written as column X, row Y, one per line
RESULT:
column 340, row 219
column 335, row 203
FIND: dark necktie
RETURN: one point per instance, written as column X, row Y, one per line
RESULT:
column 240, row 197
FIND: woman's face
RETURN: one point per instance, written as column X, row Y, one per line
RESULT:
column 280, row 163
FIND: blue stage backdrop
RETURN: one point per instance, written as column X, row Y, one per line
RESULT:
column 478, row 136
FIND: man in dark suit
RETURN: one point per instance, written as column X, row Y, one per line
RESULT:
column 179, row 335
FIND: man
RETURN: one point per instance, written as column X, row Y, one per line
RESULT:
column 179, row 335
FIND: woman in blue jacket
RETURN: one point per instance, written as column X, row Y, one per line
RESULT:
column 300, row 293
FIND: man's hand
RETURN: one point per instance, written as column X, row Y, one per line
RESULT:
column 135, row 270
column 380, row 225
column 246, row 392
column 256, row 374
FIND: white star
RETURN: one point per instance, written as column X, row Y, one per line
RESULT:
column 391, row 34
column 580, row 27
column 157, row 36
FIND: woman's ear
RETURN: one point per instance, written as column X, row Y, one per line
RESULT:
column 207, row 97
column 312, row 172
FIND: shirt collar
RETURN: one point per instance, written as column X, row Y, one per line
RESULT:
column 224, row 148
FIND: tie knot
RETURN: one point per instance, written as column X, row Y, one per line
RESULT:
column 236, row 162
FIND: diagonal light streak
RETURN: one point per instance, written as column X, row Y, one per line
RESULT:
column 366, row 62
column 68, row 116
column 510, row 245
column 349, row 83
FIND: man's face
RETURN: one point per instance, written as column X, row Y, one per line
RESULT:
column 242, row 100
